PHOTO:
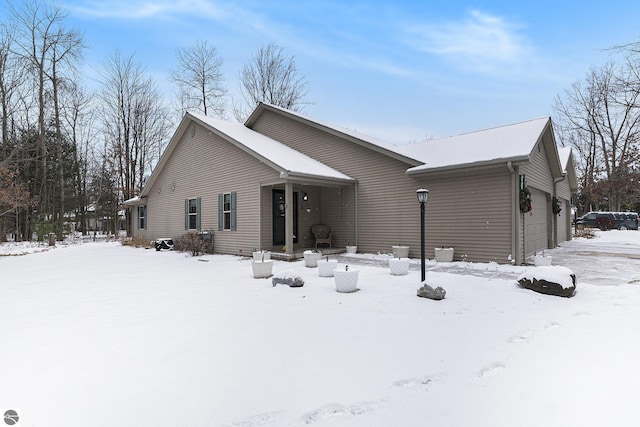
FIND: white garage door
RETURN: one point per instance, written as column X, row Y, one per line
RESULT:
column 536, row 229
column 563, row 223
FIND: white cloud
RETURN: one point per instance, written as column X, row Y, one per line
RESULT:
column 133, row 9
column 479, row 39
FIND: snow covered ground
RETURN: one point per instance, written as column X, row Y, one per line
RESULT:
column 104, row 335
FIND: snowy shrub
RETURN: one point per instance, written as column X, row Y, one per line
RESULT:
column 587, row 233
column 136, row 242
column 189, row 242
column 605, row 223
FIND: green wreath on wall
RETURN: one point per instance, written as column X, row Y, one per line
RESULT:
column 555, row 205
column 525, row 200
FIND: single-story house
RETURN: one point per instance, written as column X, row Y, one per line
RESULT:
column 264, row 184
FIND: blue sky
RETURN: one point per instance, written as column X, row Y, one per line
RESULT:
column 398, row 71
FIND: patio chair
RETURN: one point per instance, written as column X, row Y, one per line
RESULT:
column 322, row 233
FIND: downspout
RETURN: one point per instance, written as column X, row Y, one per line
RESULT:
column 515, row 208
column 356, row 213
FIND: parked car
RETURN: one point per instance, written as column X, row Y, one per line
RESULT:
column 608, row 220
column 626, row 220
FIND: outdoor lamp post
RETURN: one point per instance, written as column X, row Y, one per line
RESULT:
column 423, row 195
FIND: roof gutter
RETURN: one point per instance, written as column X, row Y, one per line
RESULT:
column 476, row 165
column 305, row 177
column 134, row 201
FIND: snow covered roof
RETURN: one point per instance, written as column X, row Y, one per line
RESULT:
column 357, row 137
column 568, row 168
column 129, row 202
column 279, row 156
column 564, row 153
column 505, row 143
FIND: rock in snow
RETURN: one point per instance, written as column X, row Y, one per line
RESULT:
column 549, row 280
column 287, row 277
column 427, row 291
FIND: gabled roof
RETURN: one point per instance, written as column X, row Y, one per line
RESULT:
column 566, row 160
column 285, row 160
column 342, row 132
column 513, row 143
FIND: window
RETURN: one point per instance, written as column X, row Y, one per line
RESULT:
column 142, row 217
column 227, row 211
column 192, row 214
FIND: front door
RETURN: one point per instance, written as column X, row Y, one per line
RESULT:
column 278, row 217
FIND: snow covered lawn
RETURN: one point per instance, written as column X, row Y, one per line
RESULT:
column 104, row 335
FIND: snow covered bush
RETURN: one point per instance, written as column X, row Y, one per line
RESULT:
column 605, row 223
column 136, row 242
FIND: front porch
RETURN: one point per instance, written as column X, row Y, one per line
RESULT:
column 298, row 253
column 289, row 210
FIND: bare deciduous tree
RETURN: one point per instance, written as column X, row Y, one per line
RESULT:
column 10, row 79
column 270, row 77
column 134, row 122
column 48, row 51
column 600, row 118
column 199, row 79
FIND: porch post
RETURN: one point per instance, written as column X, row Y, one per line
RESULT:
column 288, row 217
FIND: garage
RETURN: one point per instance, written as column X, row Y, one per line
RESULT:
column 536, row 223
column 563, row 221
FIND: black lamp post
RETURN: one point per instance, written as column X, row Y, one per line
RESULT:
column 423, row 195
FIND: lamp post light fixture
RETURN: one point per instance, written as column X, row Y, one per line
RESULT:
column 423, row 195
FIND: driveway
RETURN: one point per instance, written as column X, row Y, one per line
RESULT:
column 602, row 262
column 610, row 258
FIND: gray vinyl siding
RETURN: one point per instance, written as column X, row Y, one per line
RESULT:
column 537, row 171
column 388, row 211
column 471, row 212
column 205, row 165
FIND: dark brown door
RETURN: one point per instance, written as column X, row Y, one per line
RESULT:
column 278, row 208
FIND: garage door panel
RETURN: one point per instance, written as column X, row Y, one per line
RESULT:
column 563, row 228
column 536, row 224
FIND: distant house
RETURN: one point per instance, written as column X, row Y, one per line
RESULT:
column 263, row 184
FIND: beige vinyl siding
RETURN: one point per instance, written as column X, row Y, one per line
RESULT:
column 205, row 165
column 339, row 211
column 265, row 218
column 471, row 212
column 388, row 211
